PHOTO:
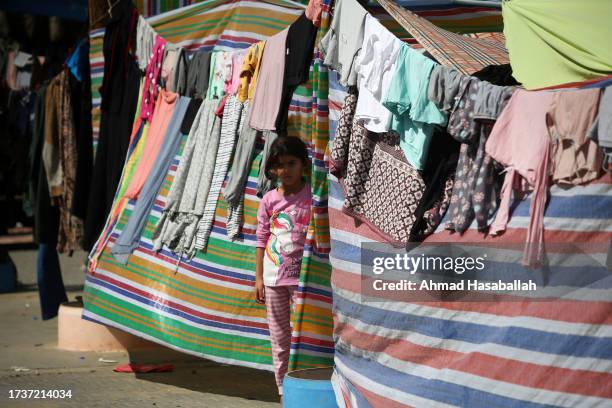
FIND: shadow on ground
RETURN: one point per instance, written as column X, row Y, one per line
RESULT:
column 208, row 377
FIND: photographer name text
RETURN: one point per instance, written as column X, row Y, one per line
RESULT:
column 476, row 285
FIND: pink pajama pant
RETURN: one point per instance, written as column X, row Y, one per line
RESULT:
column 278, row 307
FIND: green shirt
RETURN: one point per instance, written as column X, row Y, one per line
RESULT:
column 414, row 115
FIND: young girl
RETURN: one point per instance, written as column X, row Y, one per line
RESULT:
column 282, row 221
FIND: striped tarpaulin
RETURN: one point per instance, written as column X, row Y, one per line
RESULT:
column 464, row 53
column 154, row 7
column 211, row 24
column 206, row 306
column 450, row 17
column 499, row 354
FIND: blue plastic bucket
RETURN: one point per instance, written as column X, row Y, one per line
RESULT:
column 309, row 388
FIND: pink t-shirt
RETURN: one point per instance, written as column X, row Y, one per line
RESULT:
column 269, row 87
column 237, row 61
column 520, row 142
column 282, row 223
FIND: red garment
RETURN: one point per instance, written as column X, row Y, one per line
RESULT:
column 164, row 109
column 144, row 368
column 151, row 89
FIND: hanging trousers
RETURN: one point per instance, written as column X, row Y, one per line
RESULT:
column 229, row 130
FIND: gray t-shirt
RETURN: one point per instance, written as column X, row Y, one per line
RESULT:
column 343, row 41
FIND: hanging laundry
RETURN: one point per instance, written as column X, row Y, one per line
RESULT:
column 313, row 12
column 298, row 56
column 170, row 67
column 250, row 71
column 137, row 143
column 232, row 125
column 414, row 116
column 164, row 110
column 439, row 177
column 521, row 124
column 477, row 105
column 268, row 94
column 339, row 152
column 375, row 68
column 238, row 60
column 71, row 227
column 115, row 130
column 118, row 37
column 232, row 81
column 60, row 159
column 181, row 73
column 46, row 216
column 265, row 184
column 229, row 130
column 51, row 153
column 198, row 74
column 342, row 42
column 241, row 164
column 187, row 197
column 382, row 189
column 131, row 232
column 497, row 75
column 576, row 159
column 443, row 87
column 601, row 131
column 152, row 77
column 220, row 74
column 233, row 192
column 78, row 63
column 81, row 108
column 190, row 114
column 145, row 42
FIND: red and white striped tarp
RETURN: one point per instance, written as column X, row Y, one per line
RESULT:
column 475, row 354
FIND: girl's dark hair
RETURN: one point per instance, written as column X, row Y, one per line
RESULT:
column 285, row 145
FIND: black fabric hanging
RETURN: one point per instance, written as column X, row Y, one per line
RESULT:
column 118, row 106
column 81, row 108
column 299, row 49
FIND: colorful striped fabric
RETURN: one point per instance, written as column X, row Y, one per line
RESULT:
column 500, row 354
column 211, row 24
column 206, row 306
column 154, row 7
column 464, row 53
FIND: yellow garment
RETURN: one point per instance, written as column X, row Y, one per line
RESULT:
column 250, row 71
column 552, row 42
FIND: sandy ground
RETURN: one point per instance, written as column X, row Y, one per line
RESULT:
column 30, row 360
